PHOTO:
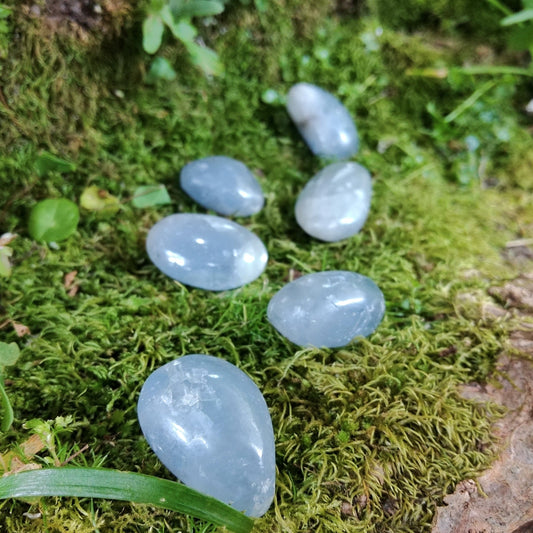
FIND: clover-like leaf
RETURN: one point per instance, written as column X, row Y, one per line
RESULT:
column 53, row 220
column 153, row 29
column 160, row 69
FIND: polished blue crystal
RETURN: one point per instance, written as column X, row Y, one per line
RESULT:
column 222, row 184
column 206, row 251
column 210, row 426
column 323, row 121
column 327, row 309
column 335, row 203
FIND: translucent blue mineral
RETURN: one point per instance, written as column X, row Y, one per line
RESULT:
column 335, row 203
column 206, row 251
column 222, row 184
column 327, row 309
column 209, row 425
column 323, row 121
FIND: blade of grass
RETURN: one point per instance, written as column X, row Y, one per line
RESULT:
column 498, row 5
column 125, row 486
column 517, row 18
column 5, row 406
column 470, row 101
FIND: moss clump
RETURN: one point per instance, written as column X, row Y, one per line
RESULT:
column 479, row 19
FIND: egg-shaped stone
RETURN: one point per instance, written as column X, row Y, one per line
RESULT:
column 323, row 121
column 335, row 203
column 206, row 251
column 327, row 309
column 222, row 184
column 210, row 426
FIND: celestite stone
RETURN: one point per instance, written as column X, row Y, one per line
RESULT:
column 323, row 121
column 335, row 203
column 222, row 184
column 209, row 425
column 327, row 309
column 206, row 251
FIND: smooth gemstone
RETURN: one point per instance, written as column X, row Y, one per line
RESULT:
column 335, row 203
column 210, row 426
column 327, row 309
column 323, row 121
column 206, row 251
column 224, row 185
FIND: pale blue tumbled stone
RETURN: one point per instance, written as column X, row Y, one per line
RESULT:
column 206, row 251
column 327, row 309
column 323, row 121
column 335, row 203
column 209, row 425
column 222, row 184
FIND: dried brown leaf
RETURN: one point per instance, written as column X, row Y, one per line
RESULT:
column 73, row 291
column 20, row 329
column 69, row 278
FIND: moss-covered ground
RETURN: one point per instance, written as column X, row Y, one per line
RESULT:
column 369, row 438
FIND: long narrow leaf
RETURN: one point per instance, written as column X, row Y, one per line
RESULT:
column 5, row 405
column 200, row 8
column 516, row 18
column 125, row 486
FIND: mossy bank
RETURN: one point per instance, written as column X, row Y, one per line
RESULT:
column 369, row 438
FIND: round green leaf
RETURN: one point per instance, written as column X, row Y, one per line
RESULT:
column 53, row 220
column 9, row 353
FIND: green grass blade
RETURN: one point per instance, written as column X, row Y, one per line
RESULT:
column 5, row 406
column 126, row 486
column 517, row 18
column 494, row 70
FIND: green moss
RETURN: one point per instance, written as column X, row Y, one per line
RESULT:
column 480, row 19
column 377, row 425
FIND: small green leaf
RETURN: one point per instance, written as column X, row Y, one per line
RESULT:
column 261, row 5
column 125, row 486
column 206, row 59
column 5, row 264
column 53, row 220
column 9, row 353
column 95, row 199
column 150, row 195
column 199, row 8
column 153, row 29
column 47, row 162
column 5, row 11
column 517, row 18
column 5, row 407
column 181, row 29
column 160, row 69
